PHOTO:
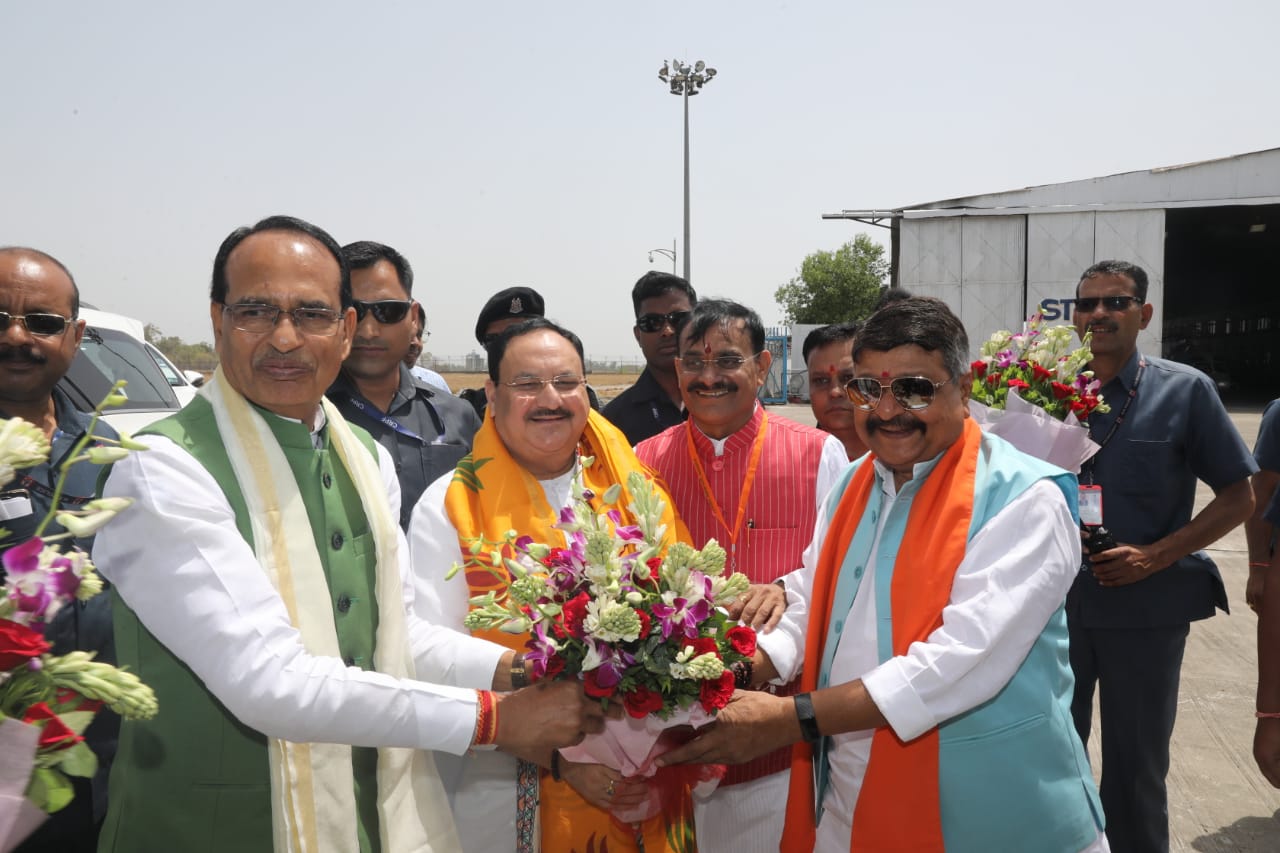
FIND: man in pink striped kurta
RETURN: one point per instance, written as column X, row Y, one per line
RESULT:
column 754, row 482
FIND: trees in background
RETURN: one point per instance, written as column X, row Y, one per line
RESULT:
column 836, row 286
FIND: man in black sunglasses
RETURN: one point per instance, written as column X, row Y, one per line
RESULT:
column 39, row 336
column 927, row 624
column 662, row 303
column 425, row 430
column 1130, row 611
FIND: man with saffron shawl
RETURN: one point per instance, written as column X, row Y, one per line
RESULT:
column 936, row 705
column 538, row 428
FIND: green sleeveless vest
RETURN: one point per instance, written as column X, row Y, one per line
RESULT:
column 194, row 778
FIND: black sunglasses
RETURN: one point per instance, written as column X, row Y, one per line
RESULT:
column 657, row 322
column 44, row 325
column 912, row 392
column 1087, row 304
column 385, row 311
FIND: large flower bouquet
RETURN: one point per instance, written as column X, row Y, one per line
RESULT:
column 1033, row 389
column 47, row 701
column 637, row 622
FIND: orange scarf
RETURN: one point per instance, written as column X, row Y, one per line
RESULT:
column 898, row 807
column 490, row 494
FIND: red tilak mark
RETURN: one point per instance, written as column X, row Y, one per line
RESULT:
column 706, row 349
column 884, row 374
column 831, row 369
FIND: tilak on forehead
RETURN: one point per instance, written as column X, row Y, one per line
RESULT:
column 884, row 374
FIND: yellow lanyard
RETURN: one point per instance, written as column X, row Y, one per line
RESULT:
column 753, row 464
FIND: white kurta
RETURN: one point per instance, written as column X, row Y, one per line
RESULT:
column 1015, row 574
column 180, row 563
column 481, row 784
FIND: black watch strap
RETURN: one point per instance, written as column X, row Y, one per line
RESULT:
column 808, row 722
column 519, row 672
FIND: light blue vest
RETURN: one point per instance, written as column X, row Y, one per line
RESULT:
column 1014, row 775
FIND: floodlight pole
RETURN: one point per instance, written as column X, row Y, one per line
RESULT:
column 686, row 81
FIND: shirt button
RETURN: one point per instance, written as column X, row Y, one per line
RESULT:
column 336, row 541
column 326, row 480
column 349, row 660
column 344, row 603
column 839, row 625
column 718, row 465
column 857, row 573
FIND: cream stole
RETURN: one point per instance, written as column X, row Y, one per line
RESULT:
column 313, row 806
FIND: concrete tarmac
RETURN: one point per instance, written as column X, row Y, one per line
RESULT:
column 1218, row 800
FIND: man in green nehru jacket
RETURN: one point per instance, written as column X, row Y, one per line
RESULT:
column 259, row 582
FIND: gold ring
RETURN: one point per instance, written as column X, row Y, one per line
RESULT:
column 608, row 792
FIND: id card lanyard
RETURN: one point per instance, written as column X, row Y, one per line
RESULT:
column 1091, row 494
column 753, row 463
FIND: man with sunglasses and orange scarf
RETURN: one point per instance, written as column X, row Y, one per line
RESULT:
column 928, row 622
column 538, row 429
column 425, row 430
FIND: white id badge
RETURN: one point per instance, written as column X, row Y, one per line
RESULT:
column 1091, row 505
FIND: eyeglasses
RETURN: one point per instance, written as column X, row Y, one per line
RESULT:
column 911, row 392
column 657, row 322
column 531, row 386
column 722, row 364
column 1087, row 304
column 44, row 325
column 260, row 319
column 385, row 311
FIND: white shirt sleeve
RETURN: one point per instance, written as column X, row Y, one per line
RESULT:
column 1015, row 574
column 440, row 655
column 433, row 549
column 179, row 562
column 785, row 643
column 831, row 465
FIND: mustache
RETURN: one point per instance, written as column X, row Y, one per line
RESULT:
column 902, row 421
column 696, row 385
column 26, row 354
column 367, row 342
column 278, row 359
column 1103, row 325
column 559, row 412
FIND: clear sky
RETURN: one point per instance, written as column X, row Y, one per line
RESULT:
column 501, row 143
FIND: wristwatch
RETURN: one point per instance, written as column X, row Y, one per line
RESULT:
column 808, row 722
column 519, row 672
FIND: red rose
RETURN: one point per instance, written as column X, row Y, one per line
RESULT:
column 715, row 694
column 979, row 368
column 54, row 733
column 642, row 701
column 592, row 687
column 18, row 644
column 993, row 379
column 702, row 645
column 1079, row 407
column 646, row 624
column 1061, row 391
column 1018, row 383
column 555, row 666
column 654, row 564
column 743, row 640
column 575, row 611
column 1040, row 372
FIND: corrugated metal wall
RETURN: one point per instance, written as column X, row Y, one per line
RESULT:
column 994, row 270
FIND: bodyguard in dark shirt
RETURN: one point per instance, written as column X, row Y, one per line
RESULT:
column 39, row 336
column 425, row 430
column 1130, row 611
column 662, row 303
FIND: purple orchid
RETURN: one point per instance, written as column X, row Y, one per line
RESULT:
column 1004, row 358
column 683, row 614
